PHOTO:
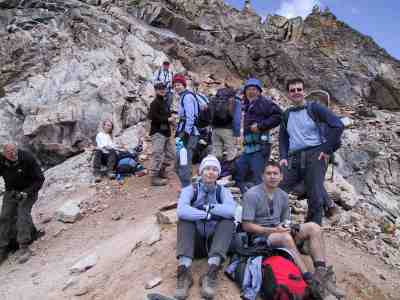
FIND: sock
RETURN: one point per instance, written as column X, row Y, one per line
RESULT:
column 215, row 260
column 318, row 264
column 307, row 276
column 185, row 261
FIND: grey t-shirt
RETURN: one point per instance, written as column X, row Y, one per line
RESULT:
column 258, row 209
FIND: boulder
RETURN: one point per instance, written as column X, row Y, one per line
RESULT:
column 69, row 212
column 84, row 264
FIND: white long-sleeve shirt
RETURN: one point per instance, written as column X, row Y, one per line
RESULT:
column 105, row 141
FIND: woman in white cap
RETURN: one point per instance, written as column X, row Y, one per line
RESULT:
column 205, row 227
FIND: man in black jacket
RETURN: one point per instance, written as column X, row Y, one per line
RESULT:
column 23, row 179
column 160, row 132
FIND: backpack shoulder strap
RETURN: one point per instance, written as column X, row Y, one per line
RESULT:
column 310, row 111
column 218, row 194
column 285, row 118
column 195, row 193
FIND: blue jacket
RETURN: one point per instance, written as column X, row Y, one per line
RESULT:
column 196, row 213
column 262, row 111
column 188, row 112
column 324, row 115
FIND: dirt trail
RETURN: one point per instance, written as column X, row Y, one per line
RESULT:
column 126, row 262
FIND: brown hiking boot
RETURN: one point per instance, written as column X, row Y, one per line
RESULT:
column 324, row 283
column 208, row 282
column 97, row 176
column 111, row 175
column 163, row 173
column 184, row 282
column 158, row 181
column 24, row 254
column 3, row 255
column 331, row 212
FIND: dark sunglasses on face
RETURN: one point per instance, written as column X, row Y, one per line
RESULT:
column 298, row 90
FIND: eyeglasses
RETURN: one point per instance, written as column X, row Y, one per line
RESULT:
column 296, row 90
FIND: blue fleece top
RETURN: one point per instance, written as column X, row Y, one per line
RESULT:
column 206, row 195
column 303, row 132
column 324, row 115
column 188, row 112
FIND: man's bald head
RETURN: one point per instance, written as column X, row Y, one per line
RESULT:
column 10, row 151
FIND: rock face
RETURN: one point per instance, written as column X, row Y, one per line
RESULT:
column 68, row 65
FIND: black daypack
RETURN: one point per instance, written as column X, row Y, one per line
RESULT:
column 221, row 107
column 203, row 116
column 323, row 127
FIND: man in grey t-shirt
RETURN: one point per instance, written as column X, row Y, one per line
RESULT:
column 265, row 210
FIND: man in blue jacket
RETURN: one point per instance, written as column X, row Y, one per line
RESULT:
column 309, row 134
column 186, row 130
column 261, row 115
column 205, row 227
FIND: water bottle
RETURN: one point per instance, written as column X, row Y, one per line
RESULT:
column 182, row 152
column 183, row 157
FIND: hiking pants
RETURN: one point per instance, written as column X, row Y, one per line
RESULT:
column 223, row 141
column 100, row 158
column 185, row 172
column 163, row 153
column 16, row 212
column 304, row 165
column 252, row 164
column 191, row 244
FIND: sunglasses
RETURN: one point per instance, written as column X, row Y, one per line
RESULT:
column 296, row 90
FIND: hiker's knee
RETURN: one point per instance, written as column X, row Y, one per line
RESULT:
column 287, row 240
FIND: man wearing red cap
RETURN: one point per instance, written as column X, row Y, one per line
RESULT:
column 186, row 130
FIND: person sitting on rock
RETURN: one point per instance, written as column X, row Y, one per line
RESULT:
column 266, row 217
column 261, row 115
column 105, row 152
column 163, row 153
column 23, row 179
column 305, row 146
column 205, row 227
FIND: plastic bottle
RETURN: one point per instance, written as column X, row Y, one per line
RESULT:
column 181, row 150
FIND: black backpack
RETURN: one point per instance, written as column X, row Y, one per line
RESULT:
column 221, row 107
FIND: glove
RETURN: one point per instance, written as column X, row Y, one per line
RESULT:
column 184, row 138
column 21, row 196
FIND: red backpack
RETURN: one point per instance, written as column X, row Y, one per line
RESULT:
column 282, row 280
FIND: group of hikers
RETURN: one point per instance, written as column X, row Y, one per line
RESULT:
column 309, row 135
column 231, row 120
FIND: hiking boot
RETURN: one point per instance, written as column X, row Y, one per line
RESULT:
column 111, row 175
column 324, row 283
column 163, row 173
column 97, row 176
column 24, row 254
column 158, row 181
column 331, row 212
column 208, row 282
column 184, row 282
column 3, row 255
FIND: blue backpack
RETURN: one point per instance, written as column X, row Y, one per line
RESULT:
column 126, row 166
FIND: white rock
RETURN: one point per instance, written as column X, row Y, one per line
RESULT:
column 167, row 217
column 84, row 264
column 154, row 234
column 153, row 283
column 69, row 212
column 347, row 122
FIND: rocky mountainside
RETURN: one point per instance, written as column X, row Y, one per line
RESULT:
column 67, row 65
